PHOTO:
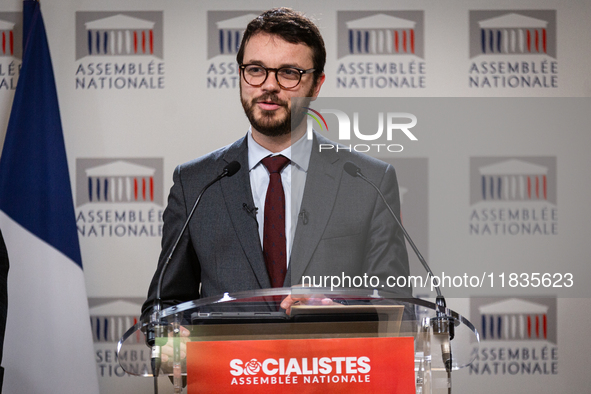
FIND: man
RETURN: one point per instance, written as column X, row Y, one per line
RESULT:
column 333, row 225
column 3, row 299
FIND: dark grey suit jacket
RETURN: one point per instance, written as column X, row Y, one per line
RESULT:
column 347, row 230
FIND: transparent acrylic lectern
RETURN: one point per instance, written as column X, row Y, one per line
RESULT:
column 444, row 341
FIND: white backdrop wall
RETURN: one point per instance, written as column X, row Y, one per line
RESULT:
column 146, row 85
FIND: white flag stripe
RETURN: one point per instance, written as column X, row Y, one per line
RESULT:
column 46, row 295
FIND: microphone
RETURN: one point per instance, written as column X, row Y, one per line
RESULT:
column 352, row 169
column 442, row 323
column 229, row 170
column 250, row 210
column 355, row 172
column 304, row 216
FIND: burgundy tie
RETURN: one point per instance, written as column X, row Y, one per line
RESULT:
column 274, row 248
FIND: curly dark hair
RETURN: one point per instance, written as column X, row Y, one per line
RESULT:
column 293, row 27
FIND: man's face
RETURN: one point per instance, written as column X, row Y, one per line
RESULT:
column 268, row 107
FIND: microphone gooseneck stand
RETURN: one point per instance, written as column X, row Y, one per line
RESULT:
column 442, row 324
column 155, row 328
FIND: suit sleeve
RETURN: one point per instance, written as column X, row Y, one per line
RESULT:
column 386, row 254
column 182, row 278
column 3, row 299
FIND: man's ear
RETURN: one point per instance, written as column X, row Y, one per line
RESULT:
column 319, row 83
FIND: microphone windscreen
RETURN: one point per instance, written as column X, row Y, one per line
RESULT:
column 232, row 168
column 351, row 169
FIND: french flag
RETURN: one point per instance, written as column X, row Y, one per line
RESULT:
column 48, row 345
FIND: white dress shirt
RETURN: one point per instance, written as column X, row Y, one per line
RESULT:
column 293, row 178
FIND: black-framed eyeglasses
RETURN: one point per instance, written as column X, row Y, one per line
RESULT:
column 287, row 77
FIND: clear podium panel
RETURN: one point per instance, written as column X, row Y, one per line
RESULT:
column 443, row 340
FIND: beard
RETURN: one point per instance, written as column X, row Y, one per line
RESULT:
column 273, row 123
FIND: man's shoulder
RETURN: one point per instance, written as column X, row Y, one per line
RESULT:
column 216, row 158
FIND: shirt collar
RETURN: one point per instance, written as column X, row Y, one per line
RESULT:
column 298, row 153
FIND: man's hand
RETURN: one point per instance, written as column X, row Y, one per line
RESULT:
column 168, row 349
column 305, row 299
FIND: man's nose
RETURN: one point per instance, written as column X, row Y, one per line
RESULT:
column 271, row 83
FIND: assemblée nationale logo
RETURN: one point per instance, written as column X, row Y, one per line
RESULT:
column 119, row 197
column 10, row 49
column 519, row 336
column 380, row 50
column 119, row 50
column 513, row 49
column 513, row 196
column 109, row 320
column 224, row 34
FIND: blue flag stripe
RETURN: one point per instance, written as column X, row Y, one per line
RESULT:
column 35, row 189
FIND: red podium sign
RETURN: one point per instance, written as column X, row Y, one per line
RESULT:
column 344, row 365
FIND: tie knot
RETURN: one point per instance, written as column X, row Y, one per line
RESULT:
column 275, row 163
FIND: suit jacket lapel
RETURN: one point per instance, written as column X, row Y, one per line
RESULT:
column 237, row 192
column 322, row 183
